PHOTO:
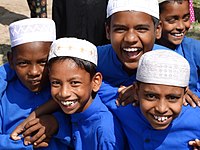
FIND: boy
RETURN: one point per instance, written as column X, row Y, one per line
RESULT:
column 161, row 121
column 30, row 45
column 175, row 18
column 74, row 84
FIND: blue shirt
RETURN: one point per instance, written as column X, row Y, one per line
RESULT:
column 16, row 103
column 140, row 134
column 190, row 49
column 96, row 129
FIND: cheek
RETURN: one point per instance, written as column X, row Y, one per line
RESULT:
column 187, row 25
column 147, row 41
column 145, row 106
column 54, row 91
column 176, row 108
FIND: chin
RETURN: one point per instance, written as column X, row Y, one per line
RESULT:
column 160, row 127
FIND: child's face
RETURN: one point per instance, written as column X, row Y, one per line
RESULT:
column 160, row 104
column 175, row 18
column 131, row 34
column 29, row 62
column 71, row 86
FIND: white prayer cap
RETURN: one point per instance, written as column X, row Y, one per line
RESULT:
column 160, row 1
column 74, row 47
column 32, row 30
column 163, row 67
column 150, row 7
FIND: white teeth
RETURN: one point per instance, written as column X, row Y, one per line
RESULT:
column 160, row 119
column 131, row 49
column 179, row 34
column 68, row 103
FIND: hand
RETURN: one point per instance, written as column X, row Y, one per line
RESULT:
column 40, row 130
column 15, row 135
column 195, row 144
column 126, row 96
column 191, row 99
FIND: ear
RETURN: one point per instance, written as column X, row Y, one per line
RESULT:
column 10, row 59
column 107, row 26
column 159, row 30
column 96, row 81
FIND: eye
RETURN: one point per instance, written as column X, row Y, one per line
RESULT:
column 171, row 20
column 186, row 18
column 22, row 63
column 43, row 62
column 55, row 83
column 142, row 29
column 173, row 98
column 150, row 97
column 75, row 83
column 119, row 29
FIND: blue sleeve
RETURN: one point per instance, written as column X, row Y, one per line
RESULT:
column 108, row 95
column 191, row 49
column 64, row 130
column 6, row 142
column 6, row 74
column 196, row 55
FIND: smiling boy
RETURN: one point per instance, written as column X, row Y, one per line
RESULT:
column 74, row 85
column 175, row 18
column 30, row 45
column 160, row 121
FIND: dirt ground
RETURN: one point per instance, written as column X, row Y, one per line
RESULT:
column 11, row 11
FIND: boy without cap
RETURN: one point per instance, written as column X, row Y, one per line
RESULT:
column 175, row 18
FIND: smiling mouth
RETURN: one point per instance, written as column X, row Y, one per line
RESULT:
column 68, row 103
column 161, row 119
column 178, row 34
column 132, row 53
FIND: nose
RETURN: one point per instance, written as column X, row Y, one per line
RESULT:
column 131, row 36
column 162, row 106
column 34, row 70
column 180, row 25
column 64, row 91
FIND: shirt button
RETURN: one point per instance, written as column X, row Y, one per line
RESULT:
column 147, row 140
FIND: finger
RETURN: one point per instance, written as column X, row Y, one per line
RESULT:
column 121, row 88
column 31, row 123
column 41, row 139
column 194, row 97
column 128, row 101
column 125, row 95
column 39, row 136
column 189, row 100
column 27, row 140
column 32, row 128
column 197, row 142
column 40, row 145
column 16, row 134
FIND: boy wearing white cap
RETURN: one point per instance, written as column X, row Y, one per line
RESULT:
column 30, row 45
column 74, row 85
column 161, row 121
column 175, row 18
